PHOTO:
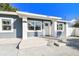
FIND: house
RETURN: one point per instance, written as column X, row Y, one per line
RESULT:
column 28, row 25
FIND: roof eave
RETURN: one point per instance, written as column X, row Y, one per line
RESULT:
column 8, row 12
column 26, row 14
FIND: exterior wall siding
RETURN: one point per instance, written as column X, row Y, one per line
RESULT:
column 17, row 27
column 32, row 34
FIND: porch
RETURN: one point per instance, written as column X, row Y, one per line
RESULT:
column 35, row 27
column 40, row 41
column 44, row 28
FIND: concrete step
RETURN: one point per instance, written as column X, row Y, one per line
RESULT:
column 59, row 43
column 55, row 43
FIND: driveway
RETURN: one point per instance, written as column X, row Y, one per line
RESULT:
column 9, row 49
column 49, row 51
column 69, row 50
column 74, row 43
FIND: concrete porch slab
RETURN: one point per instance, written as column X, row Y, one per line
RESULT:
column 34, row 42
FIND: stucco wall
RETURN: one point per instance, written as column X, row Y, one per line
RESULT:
column 70, row 31
column 17, row 27
column 76, row 31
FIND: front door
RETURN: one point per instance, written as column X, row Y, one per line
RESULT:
column 46, row 28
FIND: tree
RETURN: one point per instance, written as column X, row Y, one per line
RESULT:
column 7, row 7
column 76, row 24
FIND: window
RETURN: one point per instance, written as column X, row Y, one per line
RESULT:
column 34, row 25
column 37, row 25
column 31, row 25
column 46, row 24
column 6, row 24
column 59, row 26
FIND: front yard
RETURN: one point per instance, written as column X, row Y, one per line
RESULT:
column 69, row 50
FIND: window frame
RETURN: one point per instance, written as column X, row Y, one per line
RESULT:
column 62, row 26
column 34, row 26
column 1, row 30
column 28, row 25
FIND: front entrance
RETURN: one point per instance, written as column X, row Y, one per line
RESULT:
column 39, row 28
column 46, row 28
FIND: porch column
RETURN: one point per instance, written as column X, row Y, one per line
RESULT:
column 24, row 28
column 66, row 27
column 55, row 29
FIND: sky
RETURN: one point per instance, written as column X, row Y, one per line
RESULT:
column 67, row 11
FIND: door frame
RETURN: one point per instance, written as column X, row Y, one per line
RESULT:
column 49, row 28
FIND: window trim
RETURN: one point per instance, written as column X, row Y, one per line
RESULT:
column 62, row 26
column 34, row 27
column 2, row 31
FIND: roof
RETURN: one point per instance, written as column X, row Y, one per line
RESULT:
column 38, row 15
column 26, row 13
column 33, row 15
column 62, row 20
column 8, row 12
